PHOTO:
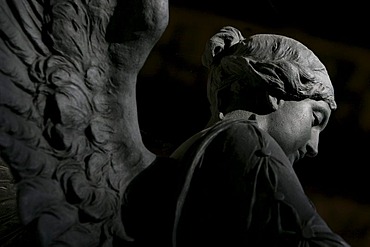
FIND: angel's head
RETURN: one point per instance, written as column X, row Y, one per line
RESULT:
column 276, row 79
column 253, row 74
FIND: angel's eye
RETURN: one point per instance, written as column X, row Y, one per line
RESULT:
column 316, row 119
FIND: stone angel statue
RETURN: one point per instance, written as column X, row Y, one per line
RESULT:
column 69, row 131
column 71, row 139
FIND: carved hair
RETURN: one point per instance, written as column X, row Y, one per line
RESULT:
column 277, row 65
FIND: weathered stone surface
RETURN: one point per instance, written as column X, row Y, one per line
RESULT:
column 69, row 127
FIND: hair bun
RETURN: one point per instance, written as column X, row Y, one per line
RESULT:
column 224, row 39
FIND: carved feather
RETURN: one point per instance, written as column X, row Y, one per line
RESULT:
column 69, row 127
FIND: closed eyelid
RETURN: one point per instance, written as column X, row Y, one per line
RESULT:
column 318, row 115
column 321, row 116
column 316, row 119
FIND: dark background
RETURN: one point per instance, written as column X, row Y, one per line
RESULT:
column 338, row 21
column 172, row 99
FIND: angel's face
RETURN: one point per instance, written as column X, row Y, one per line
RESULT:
column 296, row 126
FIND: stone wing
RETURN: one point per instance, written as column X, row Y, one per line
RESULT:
column 69, row 132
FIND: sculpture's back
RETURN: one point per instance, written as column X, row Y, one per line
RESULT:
column 68, row 120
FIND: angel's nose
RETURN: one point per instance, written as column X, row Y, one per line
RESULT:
column 313, row 144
